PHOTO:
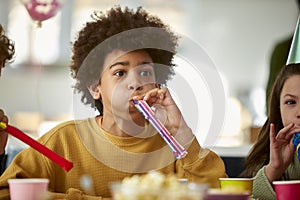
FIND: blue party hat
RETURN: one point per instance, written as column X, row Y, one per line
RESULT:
column 294, row 54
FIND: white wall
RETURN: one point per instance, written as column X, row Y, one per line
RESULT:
column 36, row 90
column 238, row 35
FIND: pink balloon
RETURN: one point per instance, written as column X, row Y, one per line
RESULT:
column 41, row 10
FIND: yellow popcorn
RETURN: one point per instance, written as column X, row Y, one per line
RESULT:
column 156, row 186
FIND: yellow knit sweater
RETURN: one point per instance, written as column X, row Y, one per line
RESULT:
column 105, row 158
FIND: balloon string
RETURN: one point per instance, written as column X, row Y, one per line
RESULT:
column 39, row 24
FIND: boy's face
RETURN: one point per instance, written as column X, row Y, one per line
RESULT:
column 290, row 101
column 125, row 75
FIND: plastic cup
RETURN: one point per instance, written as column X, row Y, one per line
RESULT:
column 236, row 185
column 287, row 190
column 28, row 188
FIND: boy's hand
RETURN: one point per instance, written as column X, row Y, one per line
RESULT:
column 166, row 108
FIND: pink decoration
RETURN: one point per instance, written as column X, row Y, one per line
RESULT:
column 41, row 10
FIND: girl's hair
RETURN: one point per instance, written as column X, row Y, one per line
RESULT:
column 116, row 30
column 260, row 152
column 7, row 48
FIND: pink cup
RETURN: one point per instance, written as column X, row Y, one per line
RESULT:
column 28, row 188
column 287, row 190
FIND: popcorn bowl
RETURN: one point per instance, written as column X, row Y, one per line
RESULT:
column 189, row 191
column 157, row 186
column 120, row 191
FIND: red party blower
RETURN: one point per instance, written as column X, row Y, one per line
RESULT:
column 62, row 162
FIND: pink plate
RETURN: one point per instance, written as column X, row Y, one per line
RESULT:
column 215, row 196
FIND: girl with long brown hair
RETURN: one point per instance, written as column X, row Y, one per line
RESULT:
column 273, row 156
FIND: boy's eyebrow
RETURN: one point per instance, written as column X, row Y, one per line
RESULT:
column 127, row 63
column 119, row 63
column 147, row 62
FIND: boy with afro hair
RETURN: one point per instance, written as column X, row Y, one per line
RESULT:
column 120, row 56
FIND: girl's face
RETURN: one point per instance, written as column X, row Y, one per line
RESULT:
column 125, row 75
column 290, row 101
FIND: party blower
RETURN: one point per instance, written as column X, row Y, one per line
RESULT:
column 175, row 146
column 296, row 142
column 62, row 162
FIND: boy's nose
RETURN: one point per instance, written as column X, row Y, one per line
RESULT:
column 135, row 86
column 134, row 82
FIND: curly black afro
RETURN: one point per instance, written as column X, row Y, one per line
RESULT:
column 125, row 30
column 7, row 48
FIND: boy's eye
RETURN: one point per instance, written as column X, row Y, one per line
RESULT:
column 119, row 73
column 145, row 73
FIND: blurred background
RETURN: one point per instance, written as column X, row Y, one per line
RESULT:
column 238, row 36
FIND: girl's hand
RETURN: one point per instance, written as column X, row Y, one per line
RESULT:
column 3, row 134
column 281, row 151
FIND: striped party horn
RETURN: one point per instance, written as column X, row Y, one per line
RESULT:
column 178, row 150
